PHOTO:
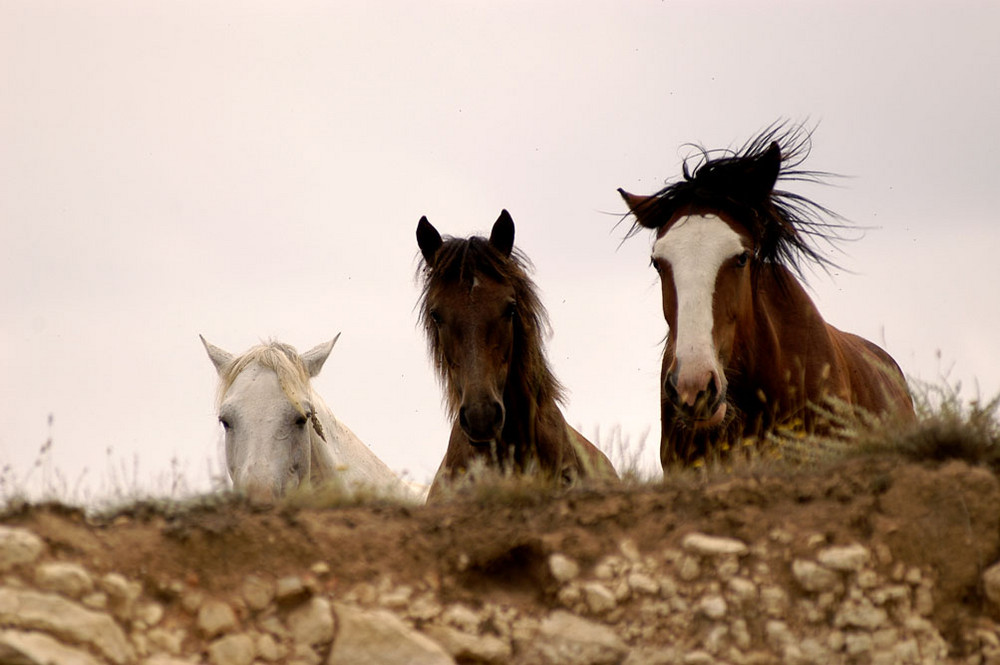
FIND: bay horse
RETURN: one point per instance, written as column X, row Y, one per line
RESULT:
column 484, row 324
column 746, row 349
column 279, row 435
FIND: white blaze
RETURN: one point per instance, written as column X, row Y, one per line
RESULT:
column 695, row 248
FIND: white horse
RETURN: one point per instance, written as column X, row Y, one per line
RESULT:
column 280, row 435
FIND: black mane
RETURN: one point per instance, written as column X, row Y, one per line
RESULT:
column 785, row 226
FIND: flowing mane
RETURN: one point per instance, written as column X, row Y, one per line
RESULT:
column 786, row 227
column 463, row 260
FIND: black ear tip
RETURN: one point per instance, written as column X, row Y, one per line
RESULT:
column 428, row 239
column 502, row 235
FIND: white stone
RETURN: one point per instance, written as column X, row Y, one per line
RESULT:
column 848, row 558
column 268, row 649
column 290, row 588
column 167, row 640
column 379, row 637
column 688, row 568
column 813, row 577
column 598, row 597
column 39, row 649
column 629, row 550
column 461, row 617
column 713, row 606
column 861, row 615
column 69, row 579
column 397, row 597
column 565, row 639
column 215, row 618
column 563, row 568
column 311, row 623
column 471, row 648
column 642, row 583
column 232, row 650
column 743, row 590
column 150, row 613
column 18, row 547
column 705, row 545
column 257, row 592
column 64, row 619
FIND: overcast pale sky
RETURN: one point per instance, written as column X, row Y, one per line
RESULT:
column 248, row 170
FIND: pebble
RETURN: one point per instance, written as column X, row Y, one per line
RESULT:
column 705, row 545
column 18, row 547
column 850, row 558
column 598, row 598
column 257, row 592
column 311, row 623
column 563, row 568
column 232, row 650
column 69, row 579
column 814, row 577
column 215, row 618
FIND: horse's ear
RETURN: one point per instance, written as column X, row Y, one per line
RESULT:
column 221, row 359
column 502, row 235
column 428, row 239
column 641, row 207
column 314, row 358
column 764, row 172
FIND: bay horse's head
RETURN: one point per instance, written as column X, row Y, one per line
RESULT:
column 268, row 416
column 483, row 322
column 715, row 230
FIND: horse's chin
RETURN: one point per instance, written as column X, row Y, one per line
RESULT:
column 714, row 421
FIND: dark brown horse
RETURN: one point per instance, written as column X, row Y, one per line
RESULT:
column 484, row 325
column 747, row 351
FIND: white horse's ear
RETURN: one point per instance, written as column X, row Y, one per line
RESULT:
column 221, row 359
column 314, row 358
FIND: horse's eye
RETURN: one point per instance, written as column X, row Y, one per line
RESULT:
column 742, row 259
column 510, row 311
column 301, row 420
column 225, row 423
column 655, row 266
column 435, row 317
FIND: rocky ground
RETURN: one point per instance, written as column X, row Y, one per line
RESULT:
column 865, row 561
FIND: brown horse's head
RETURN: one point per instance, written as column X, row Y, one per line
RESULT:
column 483, row 322
column 715, row 231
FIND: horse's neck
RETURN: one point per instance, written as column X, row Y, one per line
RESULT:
column 784, row 328
column 344, row 454
column 534, row 422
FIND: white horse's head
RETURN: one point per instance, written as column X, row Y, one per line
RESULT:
column 269, row 414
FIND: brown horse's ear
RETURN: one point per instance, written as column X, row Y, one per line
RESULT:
column 502, row 235
column 428, row 239
column 764, row 172
column 641, row 207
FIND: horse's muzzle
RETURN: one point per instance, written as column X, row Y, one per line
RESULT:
column 482, row 422
column 703, row 407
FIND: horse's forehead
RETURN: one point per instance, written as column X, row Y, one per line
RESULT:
column 701, row 238
column 257, row 385
column 255, row 379
column 470, row 293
